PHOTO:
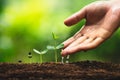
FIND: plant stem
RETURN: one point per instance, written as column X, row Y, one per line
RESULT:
column 55, row 55
column 41, row 58
column 55, row 52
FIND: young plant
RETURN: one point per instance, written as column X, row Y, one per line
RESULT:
column 40, row 54
column 30, row 56
column 55, row 47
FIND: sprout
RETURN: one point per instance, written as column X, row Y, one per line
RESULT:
column 55, row 37
column 49, row 47
column 55, row 48
column 60, row 46
column 40, row 53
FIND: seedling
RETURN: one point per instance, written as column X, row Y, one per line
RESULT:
column 55, row 48
column 40, row 54
column 30, row 56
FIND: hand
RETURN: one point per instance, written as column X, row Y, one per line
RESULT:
column 102, row 20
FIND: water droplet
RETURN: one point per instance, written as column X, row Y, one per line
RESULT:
column 67, row 58
column 67, row 61
column 62, row 60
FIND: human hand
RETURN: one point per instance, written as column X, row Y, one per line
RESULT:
column 102, row 20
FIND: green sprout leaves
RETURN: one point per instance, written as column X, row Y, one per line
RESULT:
column 36, row 51
column 44, row 51
column 49, row 47
column 60, row 46
column 55, row 47
column 55, row 37
column 40, row 53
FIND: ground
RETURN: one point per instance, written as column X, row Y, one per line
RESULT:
column 83, row 70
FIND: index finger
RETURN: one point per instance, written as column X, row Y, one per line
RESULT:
column 75, row 18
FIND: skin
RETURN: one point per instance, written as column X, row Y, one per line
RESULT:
column 102, row 20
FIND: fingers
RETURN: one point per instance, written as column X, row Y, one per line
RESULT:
column 76, row 42
column 87, row 44
column 69, row 41
column 72, row 39
column 75, row 17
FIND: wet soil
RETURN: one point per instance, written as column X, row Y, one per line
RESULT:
column 84, row 70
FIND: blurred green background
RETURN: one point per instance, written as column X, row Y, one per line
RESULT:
column 28, row 24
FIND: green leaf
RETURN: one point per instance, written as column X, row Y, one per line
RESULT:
column 44, row 51
column 60, row 46
column 36, row 51
column 50, row 47
column 54, row 36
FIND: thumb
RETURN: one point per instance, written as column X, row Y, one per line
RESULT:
column 75, row 18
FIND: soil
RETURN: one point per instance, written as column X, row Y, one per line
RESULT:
column 83, row 70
